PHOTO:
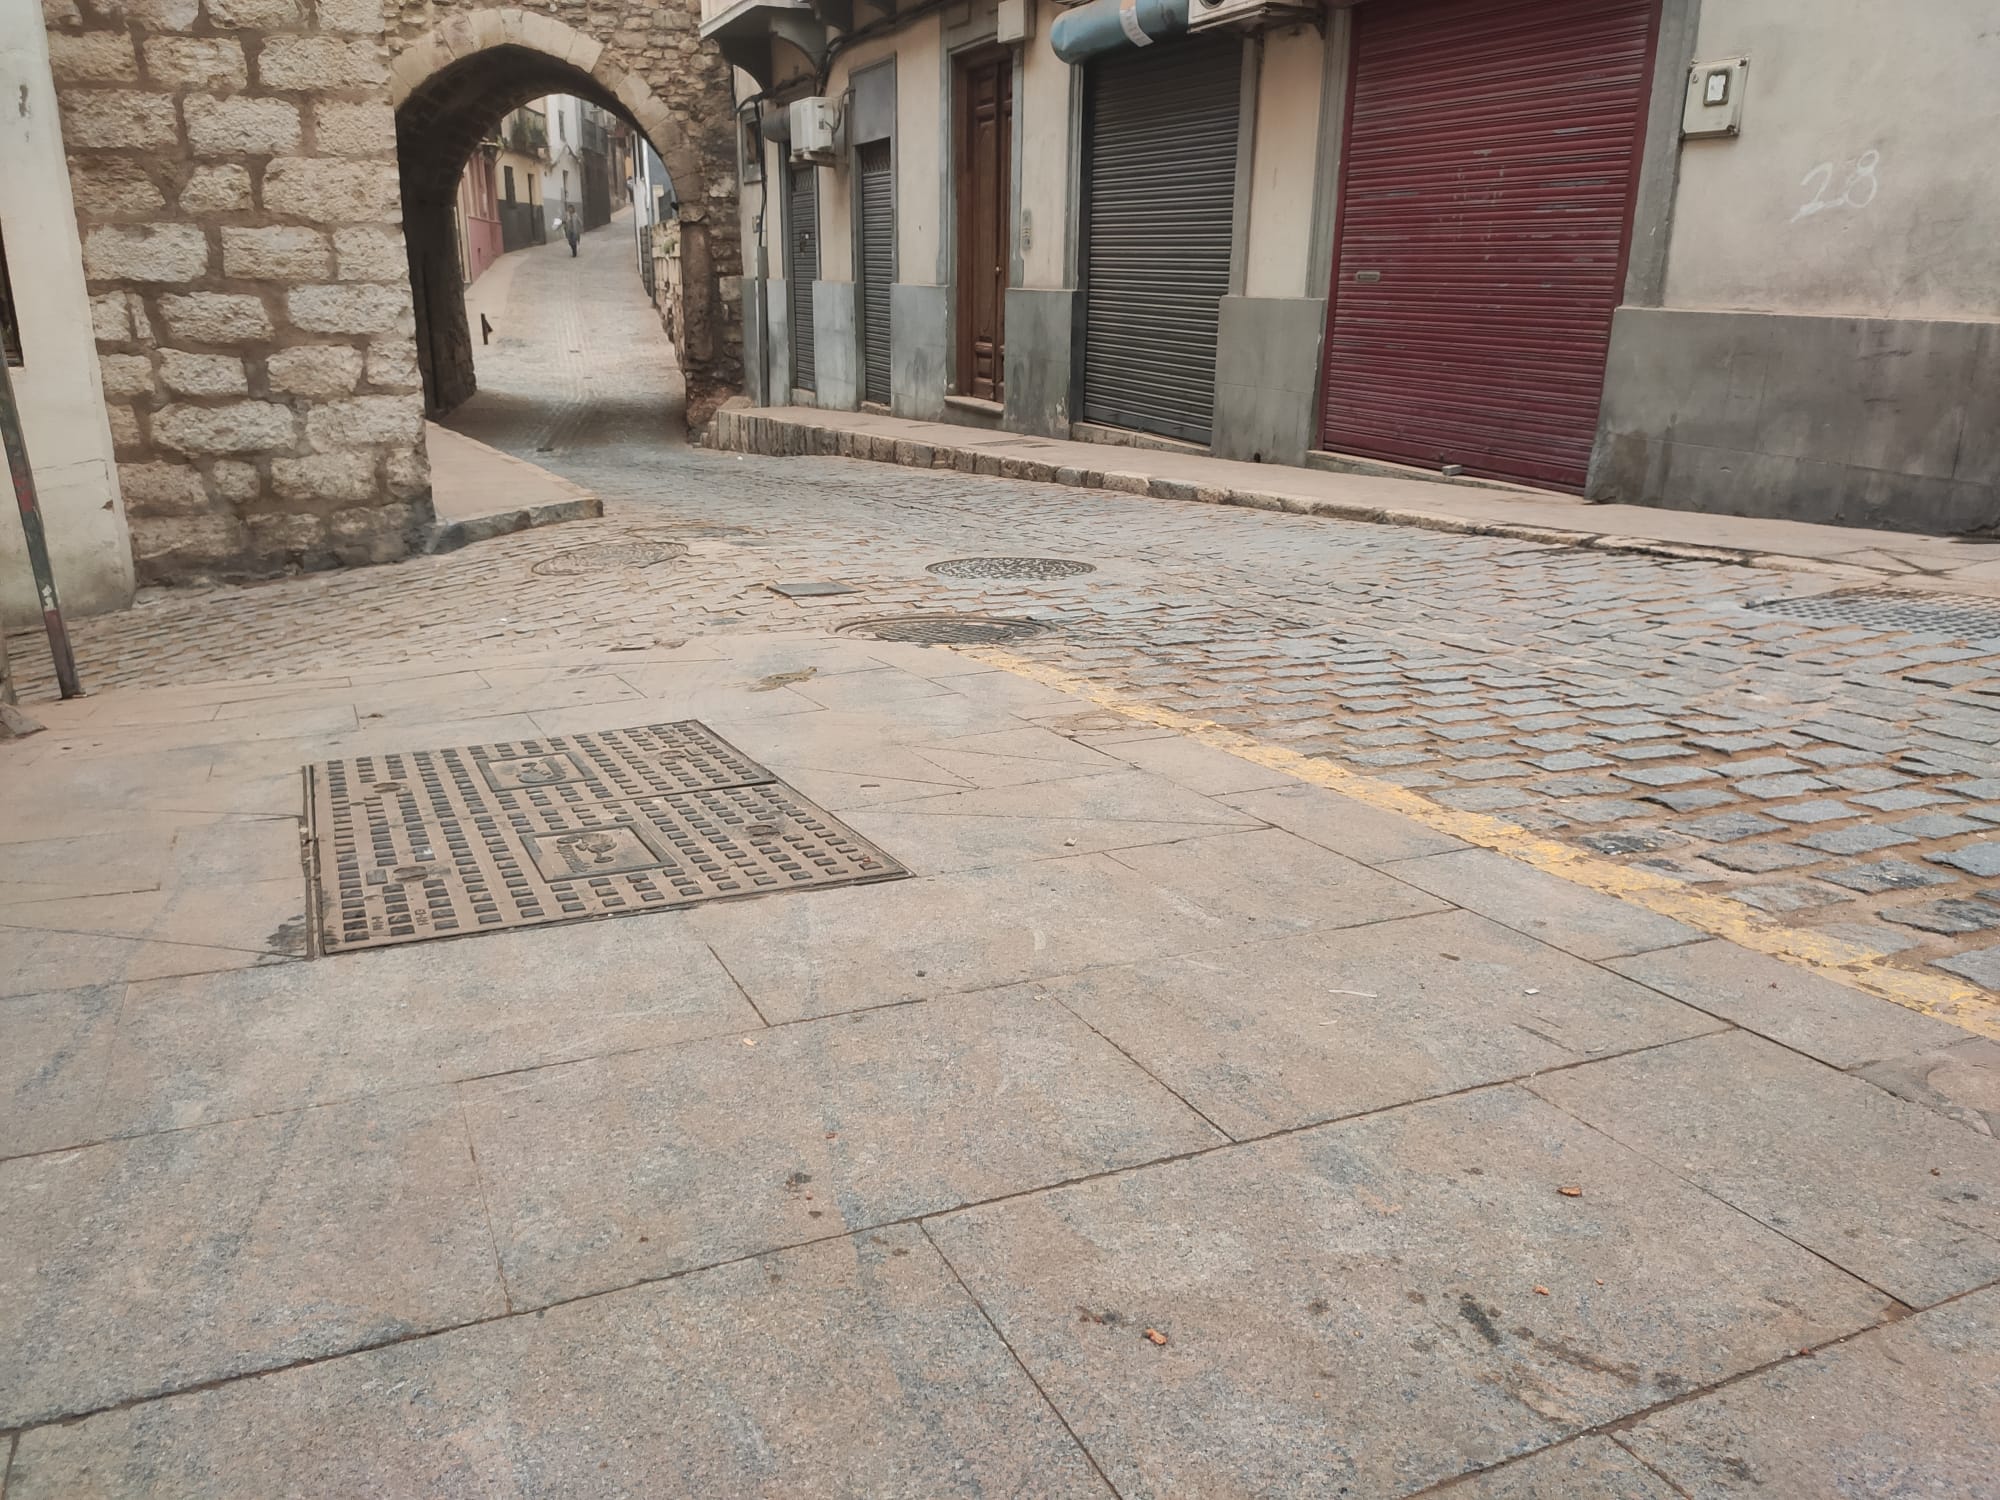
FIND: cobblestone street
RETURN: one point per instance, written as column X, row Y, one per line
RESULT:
column 1830, row 764
column 1306, row 1018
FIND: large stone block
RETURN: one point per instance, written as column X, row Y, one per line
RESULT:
column 162, row 489
column 215, row 317
column 111, row 317
column 113, row 187
column 363, row 420
column 153, row 15
column 172, row 547
column 126, row 374
column 352, row 17
column 280, row 253
column 255, row 14
column 170, row 252
column 93, row 57
column 332, row 192
column 187, row 374
column 341, row 129
column 319, row 63
column 392, row 363
column 236, row 480
column 370, row 253
column 239, row 126
column 197, row 61
column 348, row 308
column 273, row 534
column 315, row 370
column 217, row 190
column 238, row 427
column 114, row 118
column 127, row 435
column 322, row 477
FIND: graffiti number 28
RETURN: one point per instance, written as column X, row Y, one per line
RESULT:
column 1858, row 191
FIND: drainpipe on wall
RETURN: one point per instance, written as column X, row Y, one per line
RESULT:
column 1101, row 26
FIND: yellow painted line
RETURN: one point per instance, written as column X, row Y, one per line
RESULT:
column 1850, row 963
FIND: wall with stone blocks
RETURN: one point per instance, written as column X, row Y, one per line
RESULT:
column 234, row 167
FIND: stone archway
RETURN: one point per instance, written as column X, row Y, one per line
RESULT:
column 451, row 85
column 234, row 167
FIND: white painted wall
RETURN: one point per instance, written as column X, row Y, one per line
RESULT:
column 60, row 390
column 1866, row 179
column 1043, row 167
column 1284, row 165
column 922, row 139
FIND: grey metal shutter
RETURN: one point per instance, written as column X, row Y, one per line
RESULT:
column 1160, row 180
column 802, row 269
column 878, row 266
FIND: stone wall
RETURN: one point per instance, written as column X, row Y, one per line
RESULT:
column 235, row 171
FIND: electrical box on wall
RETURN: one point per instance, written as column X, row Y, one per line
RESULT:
column 815, row 129
column 1714, row 99
column 1016, row 21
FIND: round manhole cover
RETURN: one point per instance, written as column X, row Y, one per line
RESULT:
column 608, row 557
column 1011, row 567
column 945, row 630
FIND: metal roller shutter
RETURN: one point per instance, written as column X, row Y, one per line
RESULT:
column 878, row 266
column 802, row 269
column 1160, row 180
column 1486, row 204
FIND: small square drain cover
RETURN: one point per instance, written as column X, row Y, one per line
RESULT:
column 437, row 843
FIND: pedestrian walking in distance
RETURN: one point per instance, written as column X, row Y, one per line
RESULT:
column 569, row 232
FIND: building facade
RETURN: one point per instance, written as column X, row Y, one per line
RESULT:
column 478, row 213
column 522, row 165
column 1733, row 258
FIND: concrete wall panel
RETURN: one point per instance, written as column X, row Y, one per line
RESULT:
column 1865, row 180
column 1285, row 163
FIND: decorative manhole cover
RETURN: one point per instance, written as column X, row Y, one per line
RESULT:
column 1961, row 616
column 945, row 630
column 609, row 557
column 436, row 843
column 1011, row 567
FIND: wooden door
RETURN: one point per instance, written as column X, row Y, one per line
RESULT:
column 985, row 144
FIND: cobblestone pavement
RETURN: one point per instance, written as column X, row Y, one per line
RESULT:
column 1712, row 723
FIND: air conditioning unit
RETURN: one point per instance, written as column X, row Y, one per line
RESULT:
column 816, row 130
column 1247, row 15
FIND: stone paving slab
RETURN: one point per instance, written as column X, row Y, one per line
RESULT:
column 1274, row 1035
column 1829, row 1426
column 1884, row 1189
column 1591, row 1468
column 1801, row 1010
column 1314, row 1291
column 223, row 1046
column 144, row 1266
column 607, row 1172
column 1346, row 826
column 822, row 952
column 858, row 1367
column 1569, row 917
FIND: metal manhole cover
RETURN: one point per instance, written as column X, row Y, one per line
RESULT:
column 435, row 843
column 945, row 630
column 1961, row 616
column 1011, row 567
column 608, row 557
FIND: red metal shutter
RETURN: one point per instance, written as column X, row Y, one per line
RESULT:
column 1491, row 156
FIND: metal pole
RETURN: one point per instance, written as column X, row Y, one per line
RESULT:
column 38, row 544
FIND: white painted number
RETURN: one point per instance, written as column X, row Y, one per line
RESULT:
column 1858, row 191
